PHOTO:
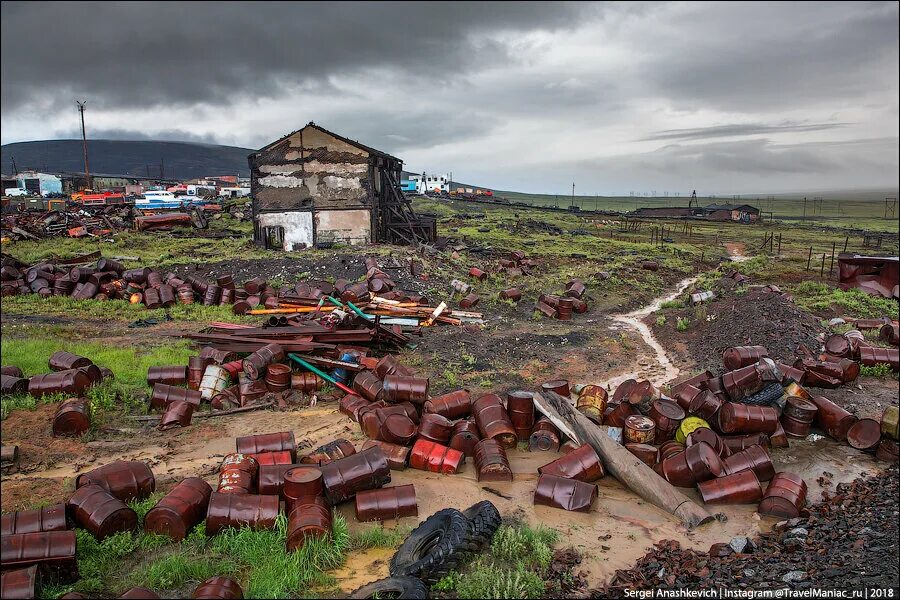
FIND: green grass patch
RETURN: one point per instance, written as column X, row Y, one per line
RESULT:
column 682, row 324
column 378, row 537
column 672, row 304
column 876, row 371
column 820, row 297
column 115, row 309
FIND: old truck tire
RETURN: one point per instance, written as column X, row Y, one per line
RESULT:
column 484, row 520
column 435, row 547
column 393, row 587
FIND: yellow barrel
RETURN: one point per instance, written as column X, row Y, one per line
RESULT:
column 687, row 426
column 889, row 422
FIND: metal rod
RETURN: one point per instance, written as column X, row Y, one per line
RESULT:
column 319, row 372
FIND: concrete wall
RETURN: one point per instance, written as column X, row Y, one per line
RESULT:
column 298, row 227
column 347, row 226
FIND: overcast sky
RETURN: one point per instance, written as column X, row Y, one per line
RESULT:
column 724, row 98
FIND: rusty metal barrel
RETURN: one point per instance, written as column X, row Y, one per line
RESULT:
column 168, row 375
column 437, row 458
column 196, row 367
column 392, row 427
column 465, row 436
column 469, row 301
column 306, row 383
column 12, row 371
column 705, row 405
column 397, row 456
column 267, row 442
column 20, row 583
column 177, row 414
column 63, row 361
column 755, row 458
column 49, row 550
column 705, row 434
column 215, row 379
column 239, row 510
column 333, row 450
column 520, row 407
column 649, row 455
column 736, row 443
column 544, row 436
column 278, row 377
column 592, row 401
column 670, row 449
column 301, row 484
column 582, row 464
column 639, row 430
column 743, row 356
column 616, row 416
column 491, row 462
column 399, row 388
column 270, row 480
column 493, row 421
column 10, row 384
column 697, row 463
column 564, row 308
column 224, row 588
column 513, row 294
column 101, row 513
column 387, row 503
column 832, row 419
column 668, row 416
column 126, row 480
column 559, row 386
column 273, row 458
column 864, row 434
column 744, row 418
column 212, row 295
column 72, row 382
column 179, row 511
column 435, row 428
column 890, row 333
column 164, row 394
column 305, row 522
column 785, row 497
column 350, row 405
column 889, row 422
column 567, row 494
column 389, row 365
column 255, row 364
column 454, row 405
column 871, row 356
column 237, row 474
column 73, row 417
column 364, row 470
column 742, row 487
column 369, row 386
column 49, row 518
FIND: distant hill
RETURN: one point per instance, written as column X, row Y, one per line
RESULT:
column 181, row 160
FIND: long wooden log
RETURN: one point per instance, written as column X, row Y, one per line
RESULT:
column 621, row 463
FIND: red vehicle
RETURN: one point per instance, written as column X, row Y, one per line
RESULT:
column 102, row 199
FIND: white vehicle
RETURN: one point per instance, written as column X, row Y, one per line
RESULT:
column 16, row 191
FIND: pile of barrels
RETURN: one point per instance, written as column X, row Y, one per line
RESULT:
column 516, row 264
column 70, row 374
column 223, row 380
column 562, row 306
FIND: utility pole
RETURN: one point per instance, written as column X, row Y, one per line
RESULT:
column 804, row 207
column 573, row 193
column 87, row 171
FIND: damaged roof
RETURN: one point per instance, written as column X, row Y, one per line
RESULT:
column 368, row 149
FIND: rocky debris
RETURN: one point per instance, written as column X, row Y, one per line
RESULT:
column 849, row 540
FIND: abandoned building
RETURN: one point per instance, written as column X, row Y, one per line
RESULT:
column 739, row 213
column 314, row 188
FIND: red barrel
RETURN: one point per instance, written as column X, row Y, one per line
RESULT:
column 544, row 436
column 72, row 382
column 743, row 356
column 126, row 480
column 469, row 301
column 169, row 375
column 11, row 370
column 454, row 405
column 54, row 550
column 464, row 437
column 272, row 458
column 333, row 450
column 271, row 479
column 639, row 430
column 369, row 386
column 435, row 457
column 278, row 377
column 705, row 434
column 564, row 308
column 785, row 497
column 393, row 427
column 9, row 384
column 387, row 503
column 795, row 428
column 832, row 419
column 871, row 356
column 63, row 361
column 670, row 449
column 364, row 470
column 755, row 458
column 705, row 405
column 399, row 388
column 267, row 442
column 477, row 274
column 615, row 417
column 697, row 463
column 738, row 488
column 649, row 455
column 491, row 462
column 350, row 405
column 493, row 420
column 101, row 513
column 239, row 510
column 741, row 383
column 744, row 418
column 864, row 434
column 582, row 464
column 558, row 386
column 73, row 417
column 684, row 394
column 668, row 416
column 180, row 510
column 736, row 443
column 567, row 494
column 435, row 428
column 163, row 394
column 306, row 522
column 50, row 518
column 302, row 484
column 396, row 455
column 520, row 406
column 20, row 583
column 224, row 588
column 255, row 364
column 237, row 474
column 177, row 414
column 513, row 294
column 389, row 365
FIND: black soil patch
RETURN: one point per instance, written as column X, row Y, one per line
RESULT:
column 756, row 317
column 848, row 541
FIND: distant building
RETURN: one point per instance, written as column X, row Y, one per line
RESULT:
column 431, row 183
column 313, row 188
column 741, row 213
column 39, row 184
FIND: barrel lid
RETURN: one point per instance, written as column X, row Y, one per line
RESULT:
column 864, row 434
column 639, row 423
column 302, row 474
column 688, row 426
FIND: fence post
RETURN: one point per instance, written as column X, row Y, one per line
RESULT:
column 831, row 268
column 846, row 239
column 779, row 244
column 809, row 258
column 822, row 270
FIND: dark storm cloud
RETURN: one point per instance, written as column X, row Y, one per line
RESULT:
column 736, row 130
column 144, row 54
column 166, row 135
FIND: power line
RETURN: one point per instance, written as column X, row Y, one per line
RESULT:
column 87, row 171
